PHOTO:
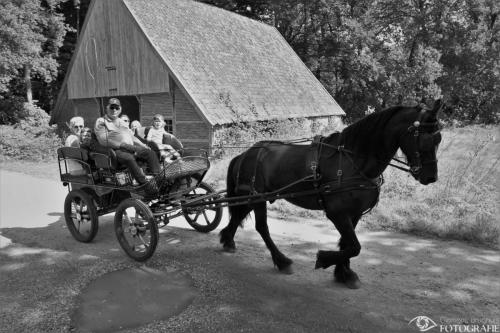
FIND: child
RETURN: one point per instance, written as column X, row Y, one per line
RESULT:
column 155, row 134
column 135, row 125
column 86, row 136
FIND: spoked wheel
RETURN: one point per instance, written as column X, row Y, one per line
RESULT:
column 80, row 214
column 136, row 229
column 206, row 217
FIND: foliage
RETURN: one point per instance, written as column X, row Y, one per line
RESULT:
column 368, row 54
column 31, row 34
column 31, row 138
column 462, row 204
column 234, row 139
column 28, row 144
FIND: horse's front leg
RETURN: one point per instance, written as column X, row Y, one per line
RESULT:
column 279, row 259
column 349, row 247
column 343, row 272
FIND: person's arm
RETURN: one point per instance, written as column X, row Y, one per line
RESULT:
column 101, row 133
column 149, row 135
column 72, row 141
column 138, row 142
column 171, row 140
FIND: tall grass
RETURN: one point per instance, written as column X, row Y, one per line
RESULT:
column 463, row 204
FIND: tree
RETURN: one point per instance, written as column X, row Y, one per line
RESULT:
column 31, row 33
column 470, row 31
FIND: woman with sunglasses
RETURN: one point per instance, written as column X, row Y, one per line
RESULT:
column 126, row 120
column 76, row 125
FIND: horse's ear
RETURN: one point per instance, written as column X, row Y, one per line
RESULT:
column 438, row 106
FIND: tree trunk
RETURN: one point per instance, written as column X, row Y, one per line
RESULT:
column 27, row 82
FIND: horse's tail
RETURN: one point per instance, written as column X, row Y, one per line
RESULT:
column 230, row 181
column 231, row 184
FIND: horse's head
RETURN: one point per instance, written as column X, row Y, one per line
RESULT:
column 420, row 143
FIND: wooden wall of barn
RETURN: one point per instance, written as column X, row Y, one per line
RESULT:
column 152, row 104
column 88, row 108
column 114, row 58
column 193, row 130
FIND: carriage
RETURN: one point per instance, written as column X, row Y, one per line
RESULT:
column 98, row 185
column 340, row 174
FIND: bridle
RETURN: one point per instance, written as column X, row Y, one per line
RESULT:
column 421, row 140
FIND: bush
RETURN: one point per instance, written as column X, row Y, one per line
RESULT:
column 17, row 143
column 232, row 140
column 28, row 135
column 12, row 110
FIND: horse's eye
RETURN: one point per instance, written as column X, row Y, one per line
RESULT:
column 427, row 142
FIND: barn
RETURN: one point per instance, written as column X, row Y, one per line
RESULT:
column 200, row 66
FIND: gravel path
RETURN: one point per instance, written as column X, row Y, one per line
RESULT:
column 44, row 271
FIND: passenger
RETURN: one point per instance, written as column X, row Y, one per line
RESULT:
column 76, row 125
column 156, row 134
column 85, row 137
column 113, row 133
column 126, row 120
column 135, row 125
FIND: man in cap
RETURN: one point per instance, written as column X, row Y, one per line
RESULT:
column 113, row 132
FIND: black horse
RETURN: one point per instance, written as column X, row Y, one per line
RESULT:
column 340, row 174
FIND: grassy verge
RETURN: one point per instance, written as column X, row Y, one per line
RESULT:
column 462, row 204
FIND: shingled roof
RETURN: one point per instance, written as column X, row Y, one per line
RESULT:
column 233, row 68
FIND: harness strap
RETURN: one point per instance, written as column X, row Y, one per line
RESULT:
column 317, row 140
column 340, row 149
column 257, row 162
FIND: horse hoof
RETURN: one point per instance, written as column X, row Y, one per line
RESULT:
column 319, row 262
column 229, row 249
column 353, row 284
column 350, row 279
column 288, row 270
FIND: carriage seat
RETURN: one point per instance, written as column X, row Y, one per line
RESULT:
column 74, row 165
column 103, row 157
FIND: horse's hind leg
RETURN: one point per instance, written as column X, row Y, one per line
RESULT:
column 349, row 247
column 279, row 259
column 238, row 213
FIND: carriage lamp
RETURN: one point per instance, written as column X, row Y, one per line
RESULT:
column 416, row 123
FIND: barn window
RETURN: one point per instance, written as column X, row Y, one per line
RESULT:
column 169, row 126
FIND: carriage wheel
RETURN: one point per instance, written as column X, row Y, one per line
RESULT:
column 136, row 229
column 80, row 214
column 204, row 218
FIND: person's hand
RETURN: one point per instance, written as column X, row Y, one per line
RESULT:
column 129, row 148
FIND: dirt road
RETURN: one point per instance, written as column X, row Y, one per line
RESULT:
column 43, row 271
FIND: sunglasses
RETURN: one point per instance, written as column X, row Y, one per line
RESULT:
column 78, row 126
column 115, row 107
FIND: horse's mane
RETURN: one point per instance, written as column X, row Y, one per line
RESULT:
column 365, row 134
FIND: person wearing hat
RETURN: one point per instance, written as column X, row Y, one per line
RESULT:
column 113, row 132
